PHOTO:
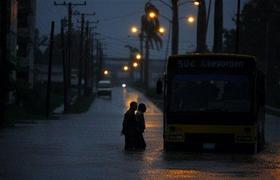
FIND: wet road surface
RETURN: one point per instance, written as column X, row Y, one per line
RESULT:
column 89, row 146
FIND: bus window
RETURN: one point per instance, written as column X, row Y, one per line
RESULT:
column 208, row 92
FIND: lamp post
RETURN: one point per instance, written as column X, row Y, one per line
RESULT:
column 190, row 20
column 175, row 21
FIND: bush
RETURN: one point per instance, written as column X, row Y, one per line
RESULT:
column 34, row 100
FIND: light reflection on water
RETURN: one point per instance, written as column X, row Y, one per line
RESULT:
column 181, row 165
column 157, row 164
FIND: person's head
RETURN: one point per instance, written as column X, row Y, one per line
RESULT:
column 133, row 105
column 142, row 107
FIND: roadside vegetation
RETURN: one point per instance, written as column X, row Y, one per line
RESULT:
column 82, row 104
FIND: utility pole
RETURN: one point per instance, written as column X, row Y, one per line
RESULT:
column 146, row 65
column 35, row 46
column 201, row 27
column 91, row 62
column 86, row 59
column 141, row 38
column 81, row 53
column 82, row 49
column 101, row 59
column 98, row 59
column 218, row 26
column 69, row 43
column 237, row 27
column 4, row 90
column 50, row 70
column 87, row 65
column 175, row 27
column 64, row 65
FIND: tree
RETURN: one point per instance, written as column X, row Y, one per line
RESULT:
column 218, row 26
column 149, row 27
column 260, row 36
column 75, row 53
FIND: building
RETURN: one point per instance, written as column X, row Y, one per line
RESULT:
column 26, row 38
column 116, row 72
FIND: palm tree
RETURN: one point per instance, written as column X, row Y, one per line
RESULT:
column 149, row 27
column 201, row 27
column 218, row 26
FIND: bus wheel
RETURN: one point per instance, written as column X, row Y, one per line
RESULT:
column 253, row 148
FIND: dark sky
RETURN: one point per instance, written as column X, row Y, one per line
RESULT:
column 117, row 16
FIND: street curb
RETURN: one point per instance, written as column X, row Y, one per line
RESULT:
column 60, row 109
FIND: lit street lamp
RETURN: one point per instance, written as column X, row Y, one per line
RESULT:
column 174, row 7
column 135, row 65
column 134, row 29
column 152, row 15
column 196, row 3
column 190, row 19
column 106, row 72
column 125, row 68
column 138, row 56
column 161, row 30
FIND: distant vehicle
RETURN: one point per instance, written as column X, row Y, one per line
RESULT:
column 104, row 88
column 214, row 101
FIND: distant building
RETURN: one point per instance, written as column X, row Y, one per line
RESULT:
column 115, row 67
column 26, row 35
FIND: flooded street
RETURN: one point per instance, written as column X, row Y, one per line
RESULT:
column 89, row 146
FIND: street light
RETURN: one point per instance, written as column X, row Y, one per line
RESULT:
column 197, row 3
column 106, row 72
column 174, row 6
column 138, row 56
column 134, row 29
column 190, row 19
column 152, row 15
column 135, row 64
column 161, row 30
column 125, row 68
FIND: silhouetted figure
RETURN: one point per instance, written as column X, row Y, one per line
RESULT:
column 129, row 127
column 159, row 86
column 140, row 144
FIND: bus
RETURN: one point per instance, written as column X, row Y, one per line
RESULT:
column 214, row 101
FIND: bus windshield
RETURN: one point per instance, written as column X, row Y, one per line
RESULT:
column 210, row 93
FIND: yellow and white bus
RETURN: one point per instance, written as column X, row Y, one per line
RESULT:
column 214, row 101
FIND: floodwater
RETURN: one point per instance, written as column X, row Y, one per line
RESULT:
column 89, row 146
